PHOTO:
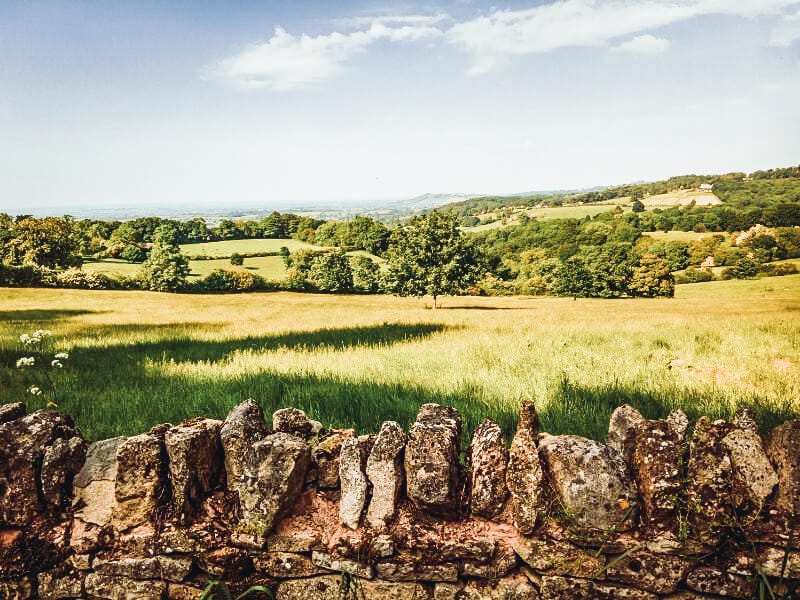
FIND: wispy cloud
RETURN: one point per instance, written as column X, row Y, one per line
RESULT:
column 392, row 20
column 786, row 32
column 646, row 44
column 287, row 62
column 494, row 39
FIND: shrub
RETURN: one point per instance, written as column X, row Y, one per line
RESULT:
column 692, row 275
column 331, row 272
column 27, row 275
column 231, row 280
column 84, row 280
column 780, row 269
column 237, row 260
column 366, row 274
column 166, row 269
column 133, row 253
column 744, row 268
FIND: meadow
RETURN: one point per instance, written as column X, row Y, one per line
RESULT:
column 227, row 247
column 141, row 358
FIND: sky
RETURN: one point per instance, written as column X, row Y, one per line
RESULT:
column 283, row 103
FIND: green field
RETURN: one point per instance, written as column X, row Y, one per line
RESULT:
column 140, row 358
column 269, row 267
column 228, row 247
column 546, row 213
column 681, row 236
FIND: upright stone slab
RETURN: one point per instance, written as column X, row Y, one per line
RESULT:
column 385, row 474
column 355, row 486
column 274, row 471
column 325, row 456
column 243, row 427
column 141, row 480
column 432, row 459
column 524, row 477
column 94, row 484
column 488, row 459
column 194, row 452
column 625, row 422
column 782, row 448
column 591, row 482
column 295, row 422
column 61, row 461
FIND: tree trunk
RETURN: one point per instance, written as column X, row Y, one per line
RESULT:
column 434, row 302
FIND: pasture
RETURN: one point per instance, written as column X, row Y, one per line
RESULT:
column 228, row 247
column 141, row 358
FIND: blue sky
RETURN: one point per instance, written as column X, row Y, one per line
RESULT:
column 285, row 103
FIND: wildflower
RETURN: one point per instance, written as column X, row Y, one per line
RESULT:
column 25, row 338
column 25, row 361
column 35, row 390
column 57, row 364
column 41, row 333
column 61, row 356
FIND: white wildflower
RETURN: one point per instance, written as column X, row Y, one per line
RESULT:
column 35, row 390
column 26, row 361
column 61, row 356
column 57, row 364
column 24, row 338
column 41, row 333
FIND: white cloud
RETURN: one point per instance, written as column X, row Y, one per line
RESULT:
column 392, row 20
column 494, row 39
column 287, row 62
column 646, row 44
column 786, row 32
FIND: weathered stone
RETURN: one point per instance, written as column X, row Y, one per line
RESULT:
column 140, row 483
column 501, row 564
column 94, row 484
column 81, row 562
column 179, row 591
column 382, row 546
column 551, row 557
column 325, row 456
column 385, row 474
column 11, row 412
column 656, row 573
column 194, row 452
column 243, row 427
column 623, row 425
column 560, row 588
column 325, row 587
column 710, row 580
column 61, row 461
column 353, row 479
column 746, row 419
column 431, row 459
column 709, row 489
column 513, row 587
column 88, row 537
column 295, row 422
column 112, row 587
column 781, row 446
column 383, row 590
column 654, row 462
column 23, row 444
column 591, row 482
column 274, row 472
column 156, row 567
column 488, row 459
column 335, row 587
column 286, row 565
column 301, row 541
column 447, row 591
column 404, row 569
column 524, row 477
column 773, row 562
column 59, row 585
column 226, row 563
column 678, row 422
column 342, row 565
column 755, row 477
column 20, row 589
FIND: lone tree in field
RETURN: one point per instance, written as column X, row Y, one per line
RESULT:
column 166, row 269
column 431, row 256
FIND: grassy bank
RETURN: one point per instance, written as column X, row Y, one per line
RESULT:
column 140, row 358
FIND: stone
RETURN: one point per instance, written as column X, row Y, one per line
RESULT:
column 591, row 482
column 21, row 589
column 111, row 587
column 488, row 460
column 326, row 587
column 447, row 591
column 432, row 460
column 525, row 477
column 501, row 564
column 383, row 590
column 11, row 412
column 179, row 591
column 709, row 487
column 141, row 483
column 59, row 585
column 226, row 563
column 342, row 565
column 781, row 447
column 157, row 567
column 513, row 587
column 407, row 569
column 560, row 588
column 711, row 580
column 335, row 587
column 295, row 422
column 61, row 461
column 755, row 477
column 194, row 451
column 274, row 472
column 658, row 573
column 81, row 562
column 385, row 474
column 550, row 557
column 243, row 427
column 300, row 541
column 286, row 565
column 655, row 466
column 353, row 480
column 678, row 422
column 623, row 425
column 23, row 443
column 93, row 486
column 325, row 456
column 745, row 419
column 382, row 546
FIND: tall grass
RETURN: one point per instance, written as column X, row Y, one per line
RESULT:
column 141, row 358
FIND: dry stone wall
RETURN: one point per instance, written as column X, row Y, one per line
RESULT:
column 309, row 513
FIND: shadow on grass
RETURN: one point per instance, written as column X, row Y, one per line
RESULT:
column 40, row 315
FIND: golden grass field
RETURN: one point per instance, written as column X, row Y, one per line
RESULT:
column 140, row 358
